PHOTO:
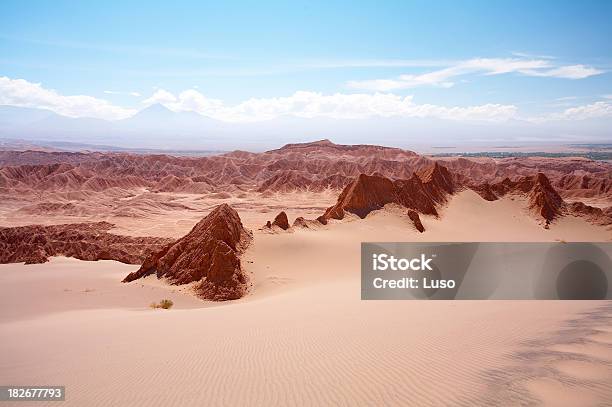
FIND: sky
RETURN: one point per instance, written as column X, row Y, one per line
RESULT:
column 471, row 61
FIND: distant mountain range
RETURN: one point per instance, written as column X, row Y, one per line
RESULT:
column 157, row 127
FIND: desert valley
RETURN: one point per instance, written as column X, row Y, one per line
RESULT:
column 259, row 253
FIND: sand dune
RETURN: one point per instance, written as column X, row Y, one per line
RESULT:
column 316, row 344
column 303, row 336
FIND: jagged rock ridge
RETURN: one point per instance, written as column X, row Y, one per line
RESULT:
column 422, row 192
column 305, row 166
column 543, row 199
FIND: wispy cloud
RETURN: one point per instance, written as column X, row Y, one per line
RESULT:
column 116, row 92
column 568, row 72
column 370, row 63
column 485, row 66
column 521, row 54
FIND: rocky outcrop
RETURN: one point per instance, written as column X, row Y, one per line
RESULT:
column 208, row 255
column 300, row 222
column 303, row 223
column 485, row 191
column 84, row 241
column 322, row 220
column 280, row 221
column 422, row 193
column 439, row 178
column 544, row 200
column 362, row 196
column 416, row 220
column 598, row 216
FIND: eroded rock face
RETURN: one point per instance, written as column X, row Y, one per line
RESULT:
column 485, row 191
column 209, row 255
column 84, row 241
column 416, row 220
column 281, row 221
column 313, row 166
column 300, row 222
column 544, row 200
column 421, row 193
column 598, row 216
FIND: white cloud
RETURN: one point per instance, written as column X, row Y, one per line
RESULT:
column 305, row 104
column 530, row 55
column 568, row 72
column 486, row 66
column 596, row 110
column 116, row 92
column 160, row 96
column 19, row 92
column 590, row 111
column 337, row 106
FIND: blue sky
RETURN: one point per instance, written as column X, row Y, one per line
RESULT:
column 502, row 60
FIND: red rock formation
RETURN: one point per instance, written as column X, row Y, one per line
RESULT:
column 571, row 177
column 544, row 200
column 595, row 215
column 369, row 193
column 285, row 181
column 584, row 185
column 416, row 220
column 300, row 222
column 314, row 166
column 322, row 220
column 485, row 191
column 208, row 254
column 362, row 196
column 438, row 177
column 281, row 221
column 84, row 241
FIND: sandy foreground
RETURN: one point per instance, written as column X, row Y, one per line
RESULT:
column 303, row 336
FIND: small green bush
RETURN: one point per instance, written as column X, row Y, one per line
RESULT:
column 165, row 304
